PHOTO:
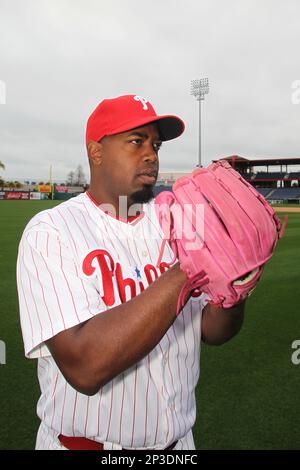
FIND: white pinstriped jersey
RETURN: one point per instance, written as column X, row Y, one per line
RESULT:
column 75, row 262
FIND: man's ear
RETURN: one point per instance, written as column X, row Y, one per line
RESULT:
column 94, row 150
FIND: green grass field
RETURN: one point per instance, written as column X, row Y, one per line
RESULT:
column 249, row 392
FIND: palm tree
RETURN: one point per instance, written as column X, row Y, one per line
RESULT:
column 2, row 165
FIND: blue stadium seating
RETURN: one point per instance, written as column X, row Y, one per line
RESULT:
column 159, row 189
column 294, row 175
column 264, row 191
column 285, row 193
column 268, row 193
column 270, row 175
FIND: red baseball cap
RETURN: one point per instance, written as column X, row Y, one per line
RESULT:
column 116, row 115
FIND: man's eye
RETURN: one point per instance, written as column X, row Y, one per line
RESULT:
column 157, row 146
column 136, row 141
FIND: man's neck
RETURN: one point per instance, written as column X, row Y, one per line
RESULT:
column 120, row 207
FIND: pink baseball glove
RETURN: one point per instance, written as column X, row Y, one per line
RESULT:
column 221, row 230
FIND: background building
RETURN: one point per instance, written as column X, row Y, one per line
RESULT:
column 277, row 179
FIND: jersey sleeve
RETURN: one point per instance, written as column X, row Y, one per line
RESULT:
column 53, row 293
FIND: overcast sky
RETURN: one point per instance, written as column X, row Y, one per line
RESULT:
column 60, row 58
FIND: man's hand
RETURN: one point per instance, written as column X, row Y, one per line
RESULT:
column 220, row 325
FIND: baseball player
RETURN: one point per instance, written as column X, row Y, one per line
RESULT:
column 117, row 367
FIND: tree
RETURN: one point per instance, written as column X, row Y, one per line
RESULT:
column 79, row 176
column 2, row 182
column 76, row 178
column 70, row 179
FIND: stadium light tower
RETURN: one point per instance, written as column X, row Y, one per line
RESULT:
column 199, row 88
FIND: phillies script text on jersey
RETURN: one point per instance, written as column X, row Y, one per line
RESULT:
column 111, row 270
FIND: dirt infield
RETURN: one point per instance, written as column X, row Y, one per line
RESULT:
column 287, row 209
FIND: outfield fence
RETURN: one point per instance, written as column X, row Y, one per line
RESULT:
column 33, row 195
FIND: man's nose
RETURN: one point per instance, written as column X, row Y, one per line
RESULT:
column 150, row 154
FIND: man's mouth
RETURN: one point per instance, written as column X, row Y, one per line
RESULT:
column 149, row 176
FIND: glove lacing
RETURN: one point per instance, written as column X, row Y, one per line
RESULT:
column 196, row 282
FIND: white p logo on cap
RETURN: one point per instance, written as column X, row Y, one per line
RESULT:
column 143, row 101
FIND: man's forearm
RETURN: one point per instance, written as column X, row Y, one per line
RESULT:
column 220, row 325
column 118, row 338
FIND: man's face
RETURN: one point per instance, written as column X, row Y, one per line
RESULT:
column 130, row 163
